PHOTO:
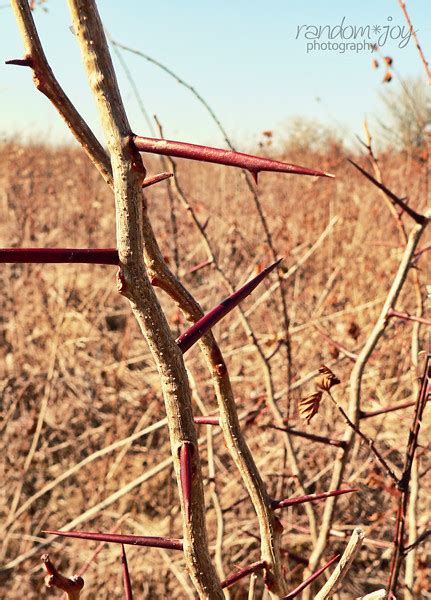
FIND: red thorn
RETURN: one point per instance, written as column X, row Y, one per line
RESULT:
column 219, row 156
column 231, row 579
column 206, row 420
column 205, row 223
column 134, row 540
column 20, row 62
column 420, row 219
column 254, row 174
column 196, row 331
column 310, row 498
column 99, row 256
column 243, row 572
column 128, row 593
column 310, row 579
column 186, row 476
column 156, row 179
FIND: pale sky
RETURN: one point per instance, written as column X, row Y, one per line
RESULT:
column 249, row 59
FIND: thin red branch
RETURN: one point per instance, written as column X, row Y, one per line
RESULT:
column 387, row 409
column 415, row 37
column 254, row 164
column 404, row 483
column 100, row 256
column 200, row 266
column 309, row 436
column 407, row 317
column 336, row 344
column 198, row 329
column 134, row 540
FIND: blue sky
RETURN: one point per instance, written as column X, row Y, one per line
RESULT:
column 245, row 57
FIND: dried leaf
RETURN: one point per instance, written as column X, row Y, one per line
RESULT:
column 309, row 406
column 326, row 379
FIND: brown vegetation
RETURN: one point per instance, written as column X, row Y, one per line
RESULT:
column 77, row 375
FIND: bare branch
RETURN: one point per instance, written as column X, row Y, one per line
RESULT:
column 128, row 175
column 46, row 82
column 343, row 566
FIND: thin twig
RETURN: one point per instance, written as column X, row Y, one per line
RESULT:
column 415, row 37
column 370, row 443
column 343, row 566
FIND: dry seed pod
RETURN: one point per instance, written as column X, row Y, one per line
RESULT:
column 388, row 77
column 388, row 60
column 309, row 406
column 326, row 379
column 375, row 63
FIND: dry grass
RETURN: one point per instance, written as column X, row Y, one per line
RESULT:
column 71, row 349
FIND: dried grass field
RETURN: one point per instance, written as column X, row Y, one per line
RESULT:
column 84, row 443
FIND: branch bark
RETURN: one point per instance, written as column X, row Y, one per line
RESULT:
column 356, row 382
column 128, row 176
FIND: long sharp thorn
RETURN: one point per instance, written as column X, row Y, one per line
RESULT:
column 186, row 476
column 310, row 579
column 243, row 572
column 309, row 498
column 134, row 540
column 156, row 179
column 196, row 331
column 229, row 158
column 128, row 594
column 100, row 256
column 395, row 199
